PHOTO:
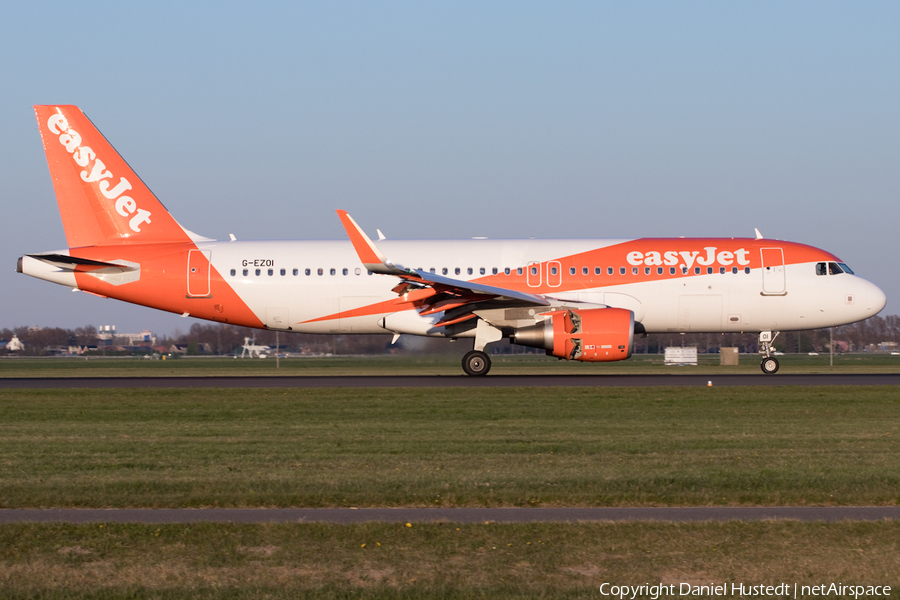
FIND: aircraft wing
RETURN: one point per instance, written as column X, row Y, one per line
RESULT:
column 448, row 294
column 476, row 288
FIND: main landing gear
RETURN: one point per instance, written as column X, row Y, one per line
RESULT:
column 769, row 364
column 476, row 363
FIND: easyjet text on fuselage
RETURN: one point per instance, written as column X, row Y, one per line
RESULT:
column 686, row 258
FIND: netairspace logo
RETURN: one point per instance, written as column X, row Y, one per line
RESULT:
column 783, row 590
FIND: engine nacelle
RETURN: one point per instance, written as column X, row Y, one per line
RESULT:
column 590, row 335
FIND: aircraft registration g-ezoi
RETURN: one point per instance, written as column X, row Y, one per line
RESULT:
column 577, row 299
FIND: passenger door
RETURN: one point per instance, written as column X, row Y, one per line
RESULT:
column 773, row 283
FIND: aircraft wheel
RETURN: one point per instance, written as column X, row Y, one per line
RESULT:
column 476, row 363
column 769, row 365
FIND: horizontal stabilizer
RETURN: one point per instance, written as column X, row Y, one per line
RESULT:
column 73, row 263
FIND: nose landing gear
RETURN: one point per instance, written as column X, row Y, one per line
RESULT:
column 769, row 364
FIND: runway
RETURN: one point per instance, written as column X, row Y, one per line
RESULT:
column 451, row 515
column 759, row 379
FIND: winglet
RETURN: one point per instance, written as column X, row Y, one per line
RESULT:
column 759, row 236
column 369, row 254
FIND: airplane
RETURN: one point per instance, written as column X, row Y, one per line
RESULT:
column 578, row 299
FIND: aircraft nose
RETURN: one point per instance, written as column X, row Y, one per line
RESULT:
column 877, row 299
column 874, row 298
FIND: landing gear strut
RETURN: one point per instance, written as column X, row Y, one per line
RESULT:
column 476, row 363
column 769, row 364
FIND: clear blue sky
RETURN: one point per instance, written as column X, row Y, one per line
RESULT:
column 448, row 120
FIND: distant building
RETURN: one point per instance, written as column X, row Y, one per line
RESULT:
column 15, row 345
column 108, row 335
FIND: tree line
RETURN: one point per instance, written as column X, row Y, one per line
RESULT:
column 215, row 338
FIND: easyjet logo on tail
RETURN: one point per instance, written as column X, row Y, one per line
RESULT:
column 96, row 172
column 686, row 258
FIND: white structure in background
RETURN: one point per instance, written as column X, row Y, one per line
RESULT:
column 107, row 333
column 251, row 347
column 14, row 345
column 681, row 356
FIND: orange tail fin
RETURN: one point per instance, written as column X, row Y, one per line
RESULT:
column 101, row 200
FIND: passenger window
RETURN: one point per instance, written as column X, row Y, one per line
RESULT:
column 357, row 271
column 734, row 270
column 709, row 270
column 258, row 271
column 519, row 271
column 598, row 270
column 571, row 270
column 634, row 270
column 696, row 270
column 820, row 269
column 609, row 270
column 721, row 270
column 246, row 272
column 506, row 271
column 659, row 270
column 534, row 270
column 307, row 272
column 646, row 270
column 444, row 271
column 346, row 271
column 296, row 272
column 469, row 270
column 584, row 270
column 494, row 271
column 320, row 271
column 431, row 270
column 834, row 269
column 621, row 270
column 233, row 272
column 332, row 271
column 684, row 270
column 747, row 270
column 457, row 270
column 553, row 270
column 482, row 271
column 671, row 270
column 271, row 272
column 283, row 272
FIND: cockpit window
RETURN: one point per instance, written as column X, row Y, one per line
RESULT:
column 820, row 269
column 845, row 268
column 834, row 269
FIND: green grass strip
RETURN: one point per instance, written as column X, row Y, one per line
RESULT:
column 450, row 447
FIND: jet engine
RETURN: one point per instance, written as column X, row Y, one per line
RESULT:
column 590, row 335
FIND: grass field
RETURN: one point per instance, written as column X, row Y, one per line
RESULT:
column 432, row 561
column 424, row 365
column 450, row 447
column 443, row 447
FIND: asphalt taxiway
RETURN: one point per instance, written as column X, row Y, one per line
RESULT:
column 352, row 381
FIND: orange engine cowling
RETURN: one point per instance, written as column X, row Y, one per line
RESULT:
column 590, row 335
